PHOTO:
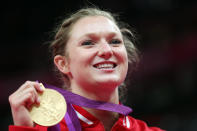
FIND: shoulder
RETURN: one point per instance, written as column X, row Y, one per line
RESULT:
column 139, row 125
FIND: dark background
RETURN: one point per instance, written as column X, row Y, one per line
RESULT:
column 163, row 90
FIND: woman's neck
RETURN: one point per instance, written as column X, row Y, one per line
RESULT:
column 98, row 93
column 101, row 94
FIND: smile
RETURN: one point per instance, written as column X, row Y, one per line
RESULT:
column 105, row 65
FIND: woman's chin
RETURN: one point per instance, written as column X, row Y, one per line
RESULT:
column 109, row 83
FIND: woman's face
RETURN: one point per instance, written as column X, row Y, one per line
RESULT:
column 97, row 55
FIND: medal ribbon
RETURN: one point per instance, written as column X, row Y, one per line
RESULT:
column 71, row 116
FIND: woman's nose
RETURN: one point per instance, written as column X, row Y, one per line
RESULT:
column 105, row 51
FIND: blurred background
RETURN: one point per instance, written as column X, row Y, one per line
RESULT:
column 162, row 91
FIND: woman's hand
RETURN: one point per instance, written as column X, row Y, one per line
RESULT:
column 21, row 101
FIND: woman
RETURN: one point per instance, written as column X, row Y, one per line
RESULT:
column 91, row 51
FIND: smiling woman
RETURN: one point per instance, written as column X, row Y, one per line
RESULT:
column 101, row 53
column 92, row 52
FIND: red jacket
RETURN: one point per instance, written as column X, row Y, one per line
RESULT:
column 90, row 123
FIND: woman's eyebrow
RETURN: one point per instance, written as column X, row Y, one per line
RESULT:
column 96, row 35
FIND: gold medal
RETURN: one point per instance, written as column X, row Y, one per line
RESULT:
column 51, row 110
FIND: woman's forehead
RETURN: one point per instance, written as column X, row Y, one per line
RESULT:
column 94, row 25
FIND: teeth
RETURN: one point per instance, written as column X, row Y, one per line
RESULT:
column 105, row 66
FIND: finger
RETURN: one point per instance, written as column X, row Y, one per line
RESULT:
column 39, row 87
column 34, row 94
column 28, row 84
column 22, row 99
column 29, row 100
column 24, row 86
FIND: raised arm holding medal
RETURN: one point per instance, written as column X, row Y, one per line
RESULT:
column 92, row 51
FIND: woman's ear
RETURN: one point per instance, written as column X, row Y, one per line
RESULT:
column 62, row 64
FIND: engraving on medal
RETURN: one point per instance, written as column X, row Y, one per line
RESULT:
column 51, row 110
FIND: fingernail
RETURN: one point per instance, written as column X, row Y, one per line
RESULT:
column 42, row 86
column 38, row 100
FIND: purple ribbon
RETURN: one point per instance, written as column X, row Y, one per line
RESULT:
column 71, row 116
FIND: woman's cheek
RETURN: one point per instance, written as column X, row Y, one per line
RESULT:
column 122, row 55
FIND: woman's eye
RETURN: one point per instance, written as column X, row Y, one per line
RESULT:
column 115, row 41
column 88, row 42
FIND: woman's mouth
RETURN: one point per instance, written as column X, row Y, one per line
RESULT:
column 105, row 65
